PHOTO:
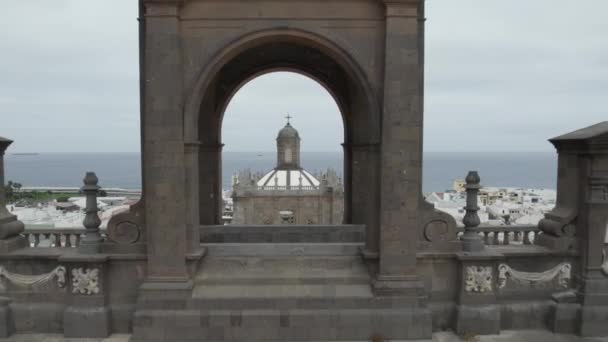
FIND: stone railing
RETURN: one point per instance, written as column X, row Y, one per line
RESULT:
column 474, row 236
column 507, row 235
column 54, row 237
column 284, row 188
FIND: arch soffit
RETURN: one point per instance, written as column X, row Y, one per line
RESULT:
column 287, row 68
column 207, row 74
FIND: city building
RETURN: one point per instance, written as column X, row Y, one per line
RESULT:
column 287, row 194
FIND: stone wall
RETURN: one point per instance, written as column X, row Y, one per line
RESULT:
column 308, row 207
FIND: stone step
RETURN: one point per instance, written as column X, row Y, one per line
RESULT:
column 281, row 325
column 282, row 233
column 291, row 270
column 284, row 249
column 299, row 291
column 357, row 301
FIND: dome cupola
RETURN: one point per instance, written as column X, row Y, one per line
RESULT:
column 288, row 147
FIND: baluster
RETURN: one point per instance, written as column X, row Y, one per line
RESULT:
column 527, row 238
column 68, row 240
column 516, row 236
column 57, row 240
column 46, row 237
column 506, row 238
column 486, row 238
column 535, row 234
column 36, row 239
column 495, row 240
column 77, row 240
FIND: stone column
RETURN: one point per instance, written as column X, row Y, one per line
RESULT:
column 401, row 155
column 210, row 183
column 163, row 149
column 10, row 227
column 348, row 170
column 192, row 193
column 365, row 195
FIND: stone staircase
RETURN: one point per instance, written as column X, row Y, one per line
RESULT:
column 282, row 292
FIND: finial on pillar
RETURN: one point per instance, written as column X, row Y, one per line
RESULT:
column 91, row 243
column 471, row 240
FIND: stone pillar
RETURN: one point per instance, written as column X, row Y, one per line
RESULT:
column 163, row 149
column 471, row 241
column 10, row 227
column 348, row 170
column 401, row 150
column 7, row 322
column 580, row 218
column 91, row 242
column 365, row 196
column 87, row 314
column 587, row 150
column 478, row 312
column 192, row 193
column 210, row 183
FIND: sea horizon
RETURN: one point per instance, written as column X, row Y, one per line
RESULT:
column 531, row 169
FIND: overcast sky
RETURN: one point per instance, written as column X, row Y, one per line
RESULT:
column 500, row 76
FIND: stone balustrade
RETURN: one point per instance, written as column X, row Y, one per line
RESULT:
column 285, row 188
column 506, row 235
column 54, row 237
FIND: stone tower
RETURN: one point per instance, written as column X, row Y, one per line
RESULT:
column 288, row 148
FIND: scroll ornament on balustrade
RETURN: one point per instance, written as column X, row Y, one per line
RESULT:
column 478, row 279
column 38, row 282
column 85, row 281
column 561, row 272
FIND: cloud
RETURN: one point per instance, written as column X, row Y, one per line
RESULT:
column 499, row 75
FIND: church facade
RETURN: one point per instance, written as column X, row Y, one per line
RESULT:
column 288, row 194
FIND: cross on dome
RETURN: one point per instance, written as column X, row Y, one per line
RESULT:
column 288, row 117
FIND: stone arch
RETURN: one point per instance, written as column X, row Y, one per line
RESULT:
column 311, row 55
column 335, row 97
column 197, row 91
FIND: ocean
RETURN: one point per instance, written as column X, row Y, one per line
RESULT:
column 516, row 169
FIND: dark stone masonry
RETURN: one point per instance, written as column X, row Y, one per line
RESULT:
column 395, row 269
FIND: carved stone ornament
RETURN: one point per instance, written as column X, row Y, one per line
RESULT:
column 478, row 279
column 34, row 281
column 436, row 230
column 85, row 281
column 561, row 271
column 125, row 232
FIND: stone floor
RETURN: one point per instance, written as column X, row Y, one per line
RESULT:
column 505, row 336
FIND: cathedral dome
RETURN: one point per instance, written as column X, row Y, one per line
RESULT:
column 288, row 178
column 288, row 132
